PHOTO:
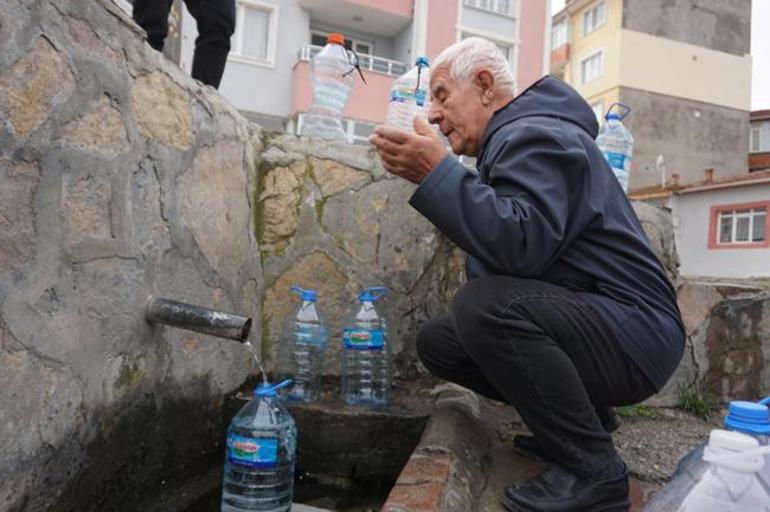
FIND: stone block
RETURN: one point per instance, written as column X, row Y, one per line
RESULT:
column 100, row 128
column 163, row 110
column 659, row 228
column 86, row 215
column 212, row 198
column 333, row 177
column 17, row 213
column 32, row 85
column 279, row 204
column 696, row 302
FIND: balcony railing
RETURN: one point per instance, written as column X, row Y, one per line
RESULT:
column 367, row 62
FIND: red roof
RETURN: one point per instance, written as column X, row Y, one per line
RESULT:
column 675, row 188
column 759, row 115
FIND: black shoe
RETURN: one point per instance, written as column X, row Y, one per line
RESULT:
column 559, row 490
column 527, row 445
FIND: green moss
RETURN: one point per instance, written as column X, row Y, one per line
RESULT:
column 130, row 374
column 638, row 411
column 695, row 399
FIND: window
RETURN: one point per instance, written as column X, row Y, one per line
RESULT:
column 739, row 226
column 504, row 7
column 598, row 108
column 591, row 67
column 594, row 17
column 255, row 32
column 559, row 35
column 760, row 137
column 318, row 38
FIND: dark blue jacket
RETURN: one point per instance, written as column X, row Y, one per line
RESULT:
column 545, row 205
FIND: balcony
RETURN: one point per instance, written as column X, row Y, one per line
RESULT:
column 368, row 102
column 369, row 16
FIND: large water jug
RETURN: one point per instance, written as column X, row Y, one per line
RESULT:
column 750, row 418
column 261, row 450
column 617, row 143
column 409, row 96
column 301, row 348
column 366, row 369
column 332, row 78
column 731, row 483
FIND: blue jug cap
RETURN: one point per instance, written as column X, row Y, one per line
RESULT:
column 748, row 417
column 267, row 389
column 305, row 295
column 612, row 115
column 372, row 293
column 423, row 61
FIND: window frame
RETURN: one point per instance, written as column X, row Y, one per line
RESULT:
column 715, row 222
column 563, row 29
column 600, row 54
column 601, row 22
column 491, row 7
column 235, row 54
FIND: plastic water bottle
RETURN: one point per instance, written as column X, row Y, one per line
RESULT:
column 330, row 74
column 749, row 418
column 261, row 450
column 366, row 355
column 731, row 484
column 409, row 96
column 617, row 144
column 301, row 349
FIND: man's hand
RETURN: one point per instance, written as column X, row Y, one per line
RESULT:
column 411, row 156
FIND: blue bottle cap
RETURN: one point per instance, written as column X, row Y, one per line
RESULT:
column 305, row 295
column 612, row 115
column 372, row 293
column 267, row 389
column 422, row 61
column 748, row 417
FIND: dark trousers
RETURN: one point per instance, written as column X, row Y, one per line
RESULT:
column 544, row 350
column 216, row 23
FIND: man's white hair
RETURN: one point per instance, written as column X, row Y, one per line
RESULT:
column 466, row 57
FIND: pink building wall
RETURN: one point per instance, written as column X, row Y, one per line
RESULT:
column 398, row 7
column 533, row 39
column 442, row 16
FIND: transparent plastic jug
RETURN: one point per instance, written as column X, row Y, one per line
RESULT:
column 617, row 143
column 332, row 79
column 260, row 455
column 301, row 348
column 366, row 370
column 409, row 96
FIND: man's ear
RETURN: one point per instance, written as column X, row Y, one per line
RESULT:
column 485, row 81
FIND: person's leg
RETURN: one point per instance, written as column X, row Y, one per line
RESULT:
column 152, row 16
column 216, row 24
column 442, row 354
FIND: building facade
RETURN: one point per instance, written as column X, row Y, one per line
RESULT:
column 267, row 74
column 722, row 228
column 683, row 68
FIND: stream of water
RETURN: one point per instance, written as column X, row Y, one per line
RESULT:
column 255, row 354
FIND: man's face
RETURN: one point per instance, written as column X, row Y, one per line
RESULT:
column 457, row 110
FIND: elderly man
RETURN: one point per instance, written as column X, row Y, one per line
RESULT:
column 567, row 310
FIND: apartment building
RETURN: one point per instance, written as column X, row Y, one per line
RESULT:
column 267, row 74
column 683, row 68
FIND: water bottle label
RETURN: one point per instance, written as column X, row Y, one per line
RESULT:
column 401, row 96
column 360, row 339
column 309, row 338
column 419, row 97
column 616, row 160
column 253, row 452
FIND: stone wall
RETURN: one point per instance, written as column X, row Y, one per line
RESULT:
column 120, row 177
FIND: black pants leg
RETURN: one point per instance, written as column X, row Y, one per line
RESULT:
column 152, row 16
column 216, row 24
column 544, row 350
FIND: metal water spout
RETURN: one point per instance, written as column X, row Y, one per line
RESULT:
column 198, row 319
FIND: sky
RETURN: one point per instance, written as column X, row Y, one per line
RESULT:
column 760, row 51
